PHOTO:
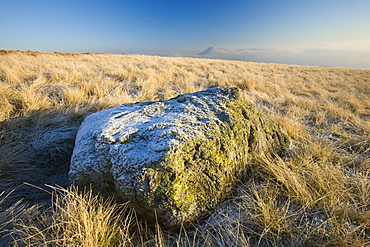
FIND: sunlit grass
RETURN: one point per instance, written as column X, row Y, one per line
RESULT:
column 315, row 194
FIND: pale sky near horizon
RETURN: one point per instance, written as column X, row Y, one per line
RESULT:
column 139, row 26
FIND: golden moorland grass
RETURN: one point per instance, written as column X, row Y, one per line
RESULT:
column 318, row 194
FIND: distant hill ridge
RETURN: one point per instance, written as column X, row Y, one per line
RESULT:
column 36, row 53
column 309, row 56
column 212, row 50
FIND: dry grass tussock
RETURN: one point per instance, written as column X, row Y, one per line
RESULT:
column 318, row 194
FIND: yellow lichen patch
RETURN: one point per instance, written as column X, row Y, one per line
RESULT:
column 199, row 174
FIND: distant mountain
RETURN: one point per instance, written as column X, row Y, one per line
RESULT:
column 213, row 52
column 314, row 56
column 225, row 54
column 210, row 51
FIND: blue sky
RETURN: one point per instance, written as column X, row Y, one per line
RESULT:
column 129, row 26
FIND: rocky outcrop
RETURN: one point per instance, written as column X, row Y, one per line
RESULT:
column 178, row 159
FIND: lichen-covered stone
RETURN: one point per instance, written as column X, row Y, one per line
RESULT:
column 178, row 159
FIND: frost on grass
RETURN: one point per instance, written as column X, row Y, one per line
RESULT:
column 178, row 159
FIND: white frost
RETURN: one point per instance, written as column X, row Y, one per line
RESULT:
column 124, row 140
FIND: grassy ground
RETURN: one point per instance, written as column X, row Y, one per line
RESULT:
column 318, row 194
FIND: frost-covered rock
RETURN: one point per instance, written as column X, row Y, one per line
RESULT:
column 177, row 159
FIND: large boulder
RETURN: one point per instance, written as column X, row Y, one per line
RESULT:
column 176, row 160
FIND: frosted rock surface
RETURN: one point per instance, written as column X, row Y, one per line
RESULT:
column 179, row 158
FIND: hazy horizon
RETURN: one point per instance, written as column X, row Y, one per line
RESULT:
column 324, row 33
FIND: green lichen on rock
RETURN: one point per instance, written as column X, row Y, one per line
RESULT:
column 184, row 156
column 204, row 171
